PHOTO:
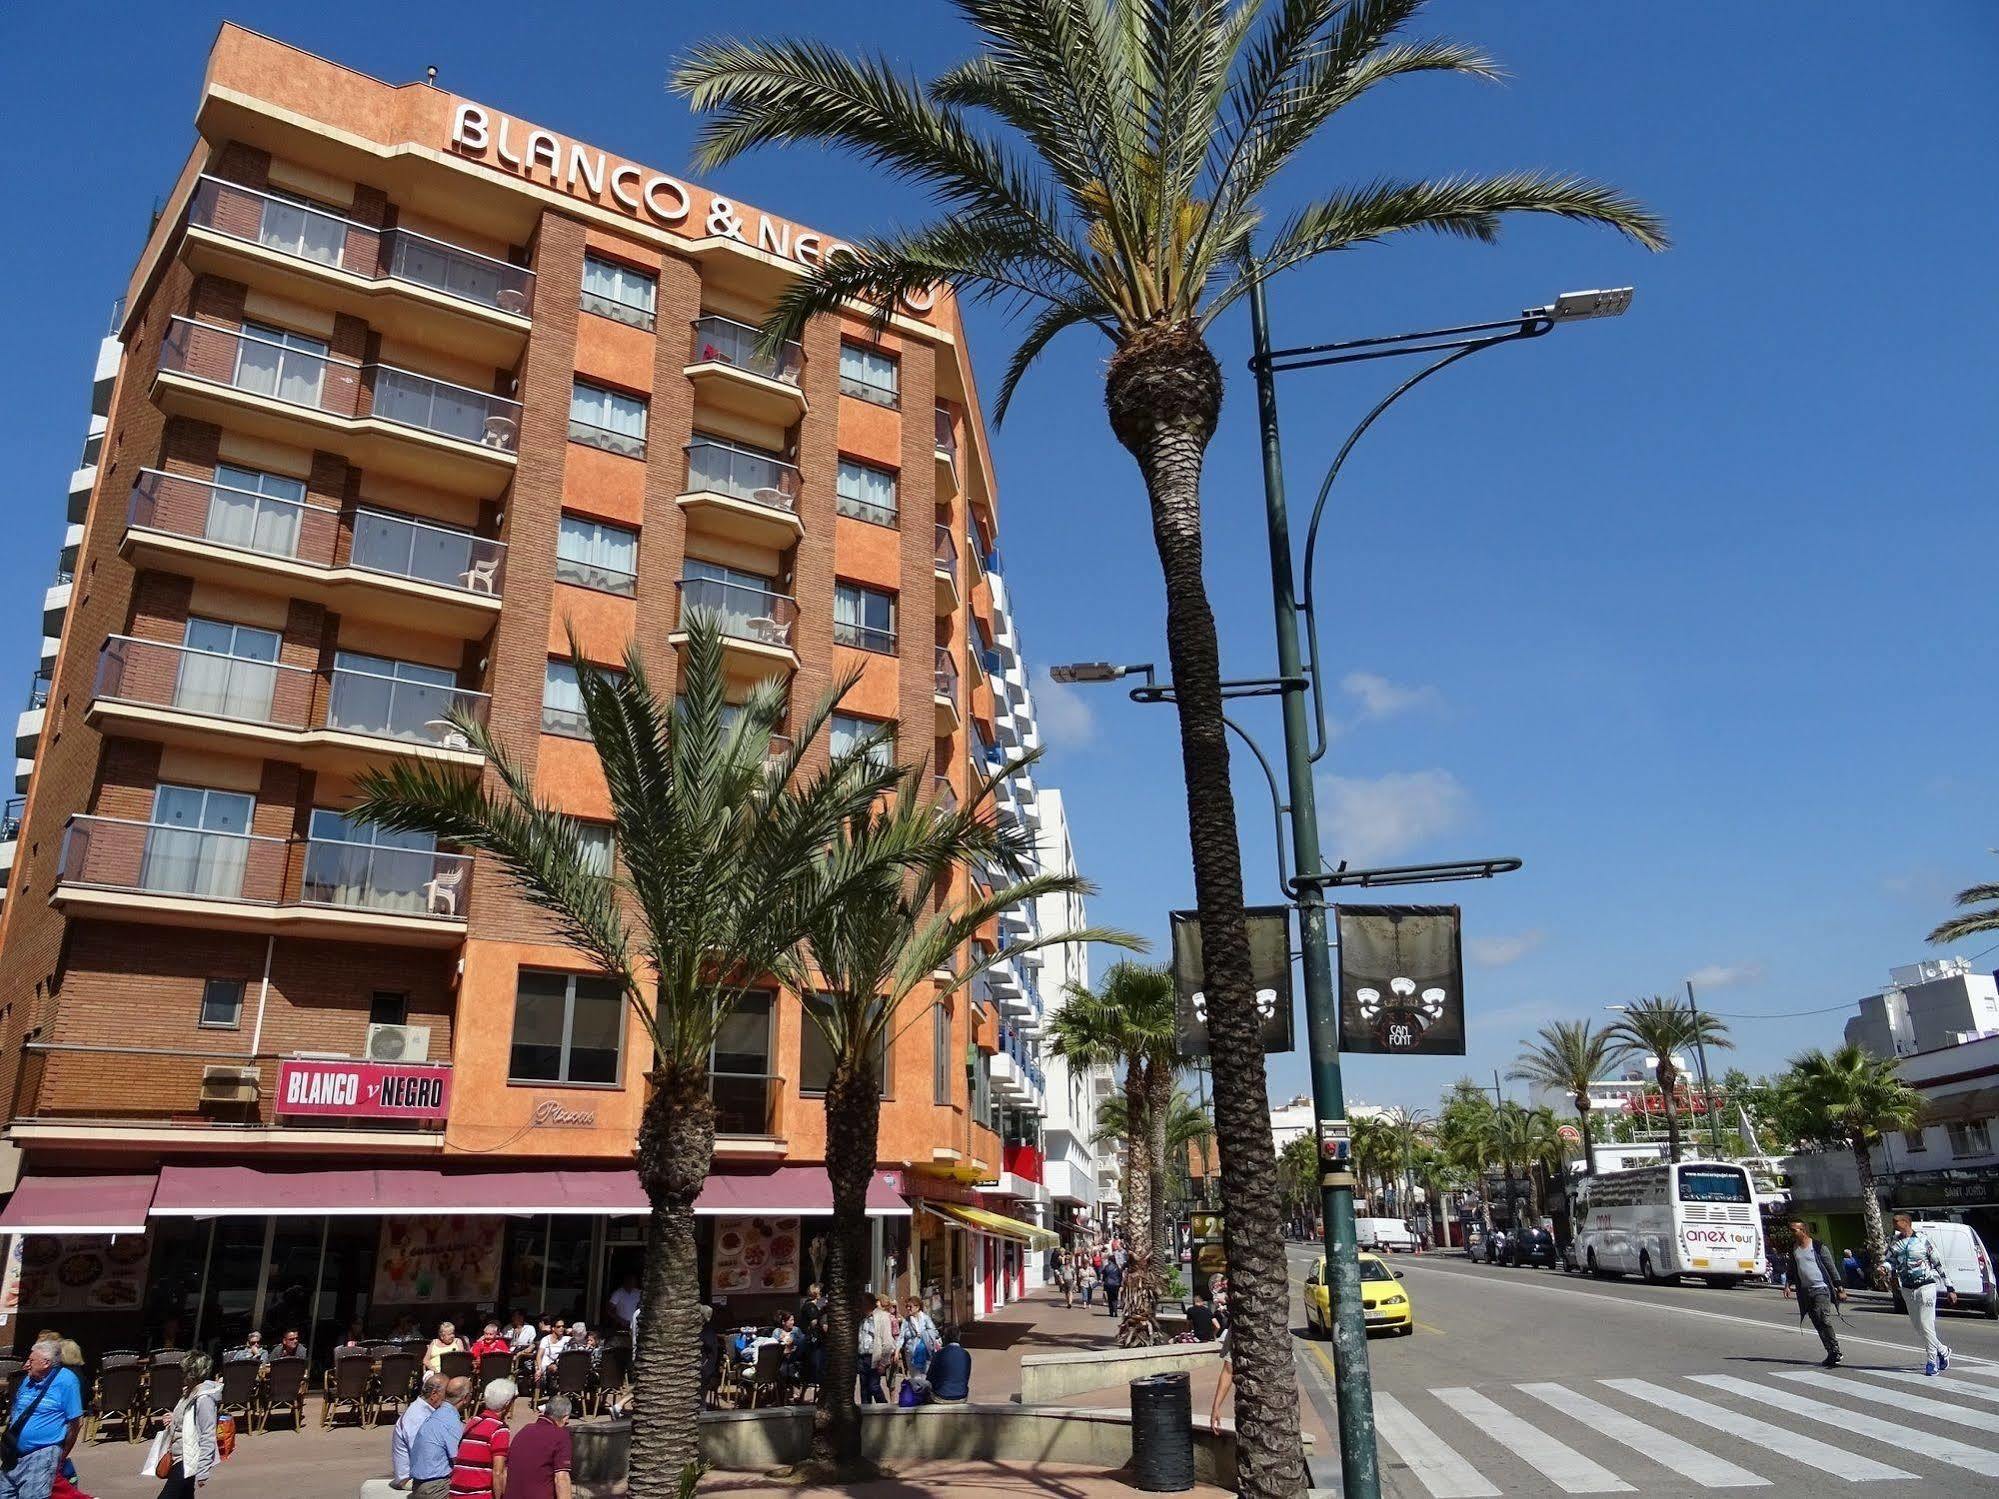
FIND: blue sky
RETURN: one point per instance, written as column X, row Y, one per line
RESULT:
column 1683, row 609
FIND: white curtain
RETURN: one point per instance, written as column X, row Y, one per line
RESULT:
column 227, row 671
column 598, row 555
column 867, row 486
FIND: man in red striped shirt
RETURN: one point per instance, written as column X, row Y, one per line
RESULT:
column 480, row 1467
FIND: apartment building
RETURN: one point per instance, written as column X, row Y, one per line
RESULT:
column 409, row 404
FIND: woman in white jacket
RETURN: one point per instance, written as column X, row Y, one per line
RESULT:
column 191, row 1429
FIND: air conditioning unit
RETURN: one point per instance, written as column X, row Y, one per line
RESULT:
column 229, row 1084
column 398, row 1043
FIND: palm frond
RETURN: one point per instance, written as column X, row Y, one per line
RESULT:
column 1977, row 922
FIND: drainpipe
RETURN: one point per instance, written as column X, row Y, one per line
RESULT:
column 263, row 994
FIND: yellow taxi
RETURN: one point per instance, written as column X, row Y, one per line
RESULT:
column 1384, row 1301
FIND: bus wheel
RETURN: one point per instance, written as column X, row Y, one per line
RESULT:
column 1722, row 1282
column 1594, row 1269
column 1645, row 1269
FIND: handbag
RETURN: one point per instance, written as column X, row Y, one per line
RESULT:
column 10, row 1439
column 157, row 1461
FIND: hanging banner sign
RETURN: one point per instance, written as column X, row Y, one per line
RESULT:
column 1402, row 984
column 1269, row 970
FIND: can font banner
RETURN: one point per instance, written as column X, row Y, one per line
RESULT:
column 1402, row 980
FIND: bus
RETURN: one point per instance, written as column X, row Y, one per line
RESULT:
column 1665, row 1221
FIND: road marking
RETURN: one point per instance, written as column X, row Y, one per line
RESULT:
column 1980, row 1367
column 1937, row 1449
column 1434, row 1331
column 1803, row 1449
column 1936, row 1410
column 1943, row 1384
column 1443, row 1472
column 1685, row 1459
column 1558, row 1462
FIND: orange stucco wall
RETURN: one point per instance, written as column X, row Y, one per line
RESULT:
column 604, row 623
column 877, row 694
column 613, row 353
column 866, row 553
column 569, row 774
column 603, row 484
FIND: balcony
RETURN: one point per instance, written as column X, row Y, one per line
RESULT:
column 944, row 568
column 942, row 797
column 759, row 628
column 397, row 570
column 740, row 494
column 441, row 295
column 121, row 869
column 947, row 456
column 376, row 416
column 338, row 721
column 729, row 373
column 1024, row 1160
column 944, row 689
column 749, row 1115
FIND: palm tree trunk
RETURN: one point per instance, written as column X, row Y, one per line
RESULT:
column 853, row 1124
column 1672, row 1127
column 1164, row 395
column 1139, row 1294
column 1161, row 1084
column 1870, row 1213
column 1582, row 1123
column 676, row 1141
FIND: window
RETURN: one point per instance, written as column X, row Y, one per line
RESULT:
column 388, row 1007
column 222, row 1004
column 866, row 492
column 739, row 1068
column 848, row 732
column 607, row 419
column 1915, row 1141
column 255, row 511
column 568, row 1028
column 390, row 699
column 562, row 702
column 274, row 362
column 619, row 291
column 870, row 375
column 349, row 862
column 226, row 670
column 815, row 1058
column 1970, row 1138
column 592, row 554
column 600, row 845
column 298, row 226
column 734, row 596
column 864, row 618
column 940, row 1054
column 198, row 843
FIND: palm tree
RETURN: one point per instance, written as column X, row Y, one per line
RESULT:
column 717, row 839
column 1111, row 165
column 1469, row 1136
column 1974, row 921
column 865, row 958
column 1128, row 1021
column 1658, row 1027
column 1407, row 1129
column 1853, row 1098
column 1376, row 1152
column 1536, row 1135
column 1569, row 1057
column 1298, row 1176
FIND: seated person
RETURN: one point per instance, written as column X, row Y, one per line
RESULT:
column 492, row 1340
column 1201, row 1318
column 950, row 1371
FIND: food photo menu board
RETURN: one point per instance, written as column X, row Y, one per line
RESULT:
column 754, row 1256
column 77, row 1272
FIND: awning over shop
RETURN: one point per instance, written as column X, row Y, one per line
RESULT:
column 788, row 1191
column 979, row 1221
column 261, row 1191
column 80, row 1204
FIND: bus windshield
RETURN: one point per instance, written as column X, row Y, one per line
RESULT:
column 1713, row 1184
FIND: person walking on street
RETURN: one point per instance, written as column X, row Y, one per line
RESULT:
column 1819, row 1288
column 435, row 1451
column 408, row 1424
column 1912, row 1260
column 43, row 1422
column 479, row 1467
column 539, row 1458
column 1065, row 1276
column 1113, row 1281
column 1086, row 1274
column 191, row 1449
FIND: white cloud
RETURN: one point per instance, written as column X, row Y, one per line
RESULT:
column 1721, row 975
column 1381, row 698
column 1369, row 819
column 1063, row 713
column 1497, row 952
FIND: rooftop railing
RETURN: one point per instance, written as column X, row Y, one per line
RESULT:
column 722, row 340
column 718, row 467
column 740, row 610
column 309, row 233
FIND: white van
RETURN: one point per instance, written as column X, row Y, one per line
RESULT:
column 1385, row 1234
column 1966, row 1265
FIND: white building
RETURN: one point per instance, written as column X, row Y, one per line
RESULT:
column 1926, row 1007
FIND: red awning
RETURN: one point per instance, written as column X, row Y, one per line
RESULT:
column 79, row 1204
column 259, row 1191
column 789, row 1191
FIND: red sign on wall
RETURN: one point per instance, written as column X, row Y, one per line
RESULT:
column 344, row 1089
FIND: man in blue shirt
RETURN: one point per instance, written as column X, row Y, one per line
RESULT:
column 435, row 1446
column 47, row 1414
column 951, row 1369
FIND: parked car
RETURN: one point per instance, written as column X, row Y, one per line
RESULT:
column 1383, row 1234
column 1966, row 1266
column 1385, row 1305
column 1533, row 1246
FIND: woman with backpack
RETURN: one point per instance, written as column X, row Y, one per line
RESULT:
column 918, row 1337
column 191, row 1452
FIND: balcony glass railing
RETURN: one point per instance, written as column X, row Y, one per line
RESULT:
column 715, row 467
column 741, row 611
column 307, row 378
column 746, row 1103
column 38, row 691
column 590, row 435
column 598, row 575
column 381, row 707
column 947, row 437
column 945, row 553
column 313, row 234
column 946, row 675
column 862, row 637
column 10, row 818
column 721, row 340
column 115, row 853
column 942, row 796
column 393, row 881
column 298, row 530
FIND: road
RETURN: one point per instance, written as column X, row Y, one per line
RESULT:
column 1529, row 1382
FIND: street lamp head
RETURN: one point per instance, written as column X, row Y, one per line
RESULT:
column 1087, row 671
column 1573, row 306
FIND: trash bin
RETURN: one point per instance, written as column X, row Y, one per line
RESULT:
column 1162, row 1434
column 601, row 1451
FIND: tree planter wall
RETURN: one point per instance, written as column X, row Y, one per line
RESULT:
column 1046, row 1377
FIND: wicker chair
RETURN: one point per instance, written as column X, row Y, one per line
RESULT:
column 493, row 1366
column 395, row 1386
column 573, row 1374
column 284, row 1390
column 115, row 1397
column 455, row 1365
column 614, row 1374
column 162, row 1390
column 765, row 1377
column 241, row 1392
column 350, row 1382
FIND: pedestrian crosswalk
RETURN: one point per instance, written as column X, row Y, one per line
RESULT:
column 1758, row 1427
